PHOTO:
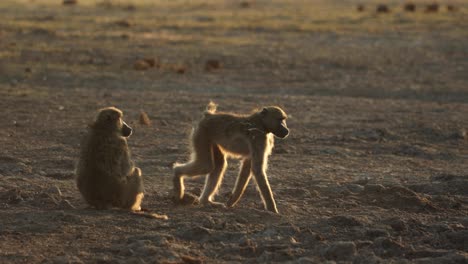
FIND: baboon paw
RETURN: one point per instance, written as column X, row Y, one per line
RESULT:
column 213, row 204
column 187, row 199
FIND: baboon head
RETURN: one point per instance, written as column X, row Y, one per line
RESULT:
column 274, row 121
column 109, row 120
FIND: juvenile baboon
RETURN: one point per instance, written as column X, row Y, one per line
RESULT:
column 106, row 176
column 221, row 135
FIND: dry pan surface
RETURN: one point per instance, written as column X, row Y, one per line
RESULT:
column 375, row 169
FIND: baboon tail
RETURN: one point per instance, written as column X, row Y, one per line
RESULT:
column 210, row 108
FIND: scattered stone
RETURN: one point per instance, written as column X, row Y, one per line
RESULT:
column 432, row 8
column 211, row 65
column 397, row 224
column 409, row 7
column 355, row 188
column 123, row 23
column 395, row 196
column 141, row 65
column 65, row 204
column 375, row 232
column 151, row 62
column 54, row 191
column 245, row 4
column 67, row 260
column 387, row 247
column 196, row 233
column 144, row 248
column 451, row 8
column 452, row 258
column 70, row 2
column 12, row 196
column 459, row 134
column 144, row 119
column 344, row 220
column 342, row 250
column 382, row 9
column 458, row 238
column 180, row 69
column 191, row 260
column 374, row 188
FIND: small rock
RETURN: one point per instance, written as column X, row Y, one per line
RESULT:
column 180, row 69
column 245, row 4
column 447, row 259
column 387, row 247
column 144, row 119
column 123, row 23
column 432, row 8
column 459, row 134
column 70, row 2
column 409, row 7
column 67, row 260
column 191, row 260
column 65, row 204
column 382, row 9
column 54, row 191
column 151, row 62
column 374, row 188
column 458, row 238
column 141, row 65
column 342, row 220
column 342, row 250
column 397, row 224
column 212, row 64
column 451, row 8
column 374, row 233
column 355, row 188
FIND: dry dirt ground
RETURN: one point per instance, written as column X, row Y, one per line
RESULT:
column 375, row 168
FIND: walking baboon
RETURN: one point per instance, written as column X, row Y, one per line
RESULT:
column 245, row 137
column 106, row 176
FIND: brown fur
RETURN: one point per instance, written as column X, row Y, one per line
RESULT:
column 106, row 176
column 245, row 137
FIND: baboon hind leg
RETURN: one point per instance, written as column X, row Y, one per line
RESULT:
column 201, row 163
column 241, row 182
column 213, row 180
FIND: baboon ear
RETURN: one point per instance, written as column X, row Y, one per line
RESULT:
column 264, row 111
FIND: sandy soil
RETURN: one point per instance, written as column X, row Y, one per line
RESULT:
column 375, row 168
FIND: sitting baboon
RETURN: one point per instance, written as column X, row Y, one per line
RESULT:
column 106, row 176
column 221, row 135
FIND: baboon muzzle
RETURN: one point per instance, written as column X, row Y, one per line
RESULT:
column 282, row 133
column 126, row 130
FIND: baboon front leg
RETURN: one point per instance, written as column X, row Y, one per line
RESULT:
column 213, row 180
column 241, row 182
column 202, row 163
column 263, row 184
